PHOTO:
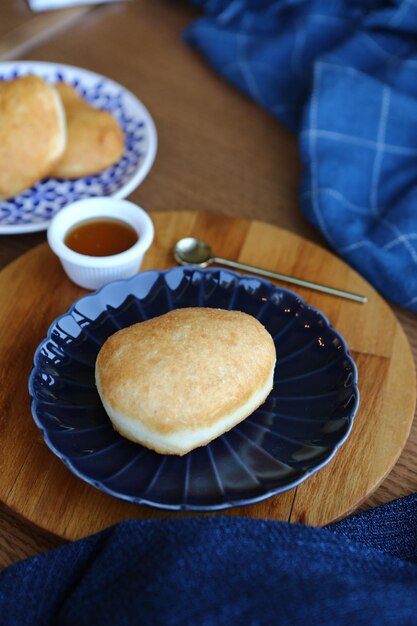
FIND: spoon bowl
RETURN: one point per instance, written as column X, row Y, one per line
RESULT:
column 192, row 251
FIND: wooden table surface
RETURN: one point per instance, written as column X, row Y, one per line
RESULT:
column 21, row 29
column 217, row 152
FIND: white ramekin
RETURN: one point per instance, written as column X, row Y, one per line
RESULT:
column 92, row 272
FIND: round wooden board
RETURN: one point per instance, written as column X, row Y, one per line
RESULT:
column 34, row 291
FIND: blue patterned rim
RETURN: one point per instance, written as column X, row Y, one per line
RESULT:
column 296, row 432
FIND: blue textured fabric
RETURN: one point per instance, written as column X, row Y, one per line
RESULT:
column 343, row 75
column 212, row 571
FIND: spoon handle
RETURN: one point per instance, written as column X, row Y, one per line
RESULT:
column 291, row 279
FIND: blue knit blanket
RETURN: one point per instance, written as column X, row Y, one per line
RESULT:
column 215, row 571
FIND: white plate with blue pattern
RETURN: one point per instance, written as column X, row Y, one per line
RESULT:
column 33, row 209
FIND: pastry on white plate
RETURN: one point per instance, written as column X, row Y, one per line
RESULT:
column 95, row 140
column 32, row 133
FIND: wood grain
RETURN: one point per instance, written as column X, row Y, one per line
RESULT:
column 39, row 488
column 21, row 29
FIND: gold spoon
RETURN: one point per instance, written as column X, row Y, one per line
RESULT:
column 192, row 251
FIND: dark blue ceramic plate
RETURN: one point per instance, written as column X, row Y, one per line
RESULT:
column 306, row 417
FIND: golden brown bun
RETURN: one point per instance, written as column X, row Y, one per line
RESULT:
column 32, row 133
column 177, row 381
column 95, row 140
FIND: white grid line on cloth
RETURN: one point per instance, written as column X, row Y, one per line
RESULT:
column 335, row 67
column 410, row 302
column 247, row 73
column 400, row 239
column 242, row 67
column 228, row 13
column 266, row 69
column 374, row 45
column 359, row 141
column 380, row 146
column 411, row 62
column 356, row 208
column 358, row 244
column 314, row 107
column 299, row 41
column 400, row 236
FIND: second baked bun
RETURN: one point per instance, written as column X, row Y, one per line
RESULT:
column 175, row 382
column 32, row 132
column 95, row 140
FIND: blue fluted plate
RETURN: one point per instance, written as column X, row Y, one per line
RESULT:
column 33, row 209
column 307, row 416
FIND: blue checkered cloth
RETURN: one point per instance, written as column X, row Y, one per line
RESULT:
column 215, row 571
column 343, row 75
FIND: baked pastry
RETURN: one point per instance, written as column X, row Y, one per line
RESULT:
column 32, row 132
column 175, row 382
column 95, row 140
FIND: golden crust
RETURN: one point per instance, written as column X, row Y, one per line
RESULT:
column 32, row 133
column 95, row 140
column 169, row 446
column 185, row 370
